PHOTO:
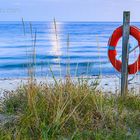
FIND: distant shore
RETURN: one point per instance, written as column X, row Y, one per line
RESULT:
column 109, row 84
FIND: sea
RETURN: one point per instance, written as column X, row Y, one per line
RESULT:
column 58, row 48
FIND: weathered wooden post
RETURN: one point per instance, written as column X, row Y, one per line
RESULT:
column 125, row 56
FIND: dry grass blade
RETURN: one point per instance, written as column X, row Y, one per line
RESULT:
column 23, row 25
column 68, row 57
column 57, row 45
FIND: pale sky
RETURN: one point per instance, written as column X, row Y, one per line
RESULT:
column 68, row 10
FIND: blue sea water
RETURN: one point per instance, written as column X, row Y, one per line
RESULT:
column 86, row 52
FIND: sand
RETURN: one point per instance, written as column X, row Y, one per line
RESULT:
column 109, row 84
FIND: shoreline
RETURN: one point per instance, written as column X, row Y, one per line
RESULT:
column 107, row 83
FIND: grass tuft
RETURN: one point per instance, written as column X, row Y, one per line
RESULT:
column 70, row 110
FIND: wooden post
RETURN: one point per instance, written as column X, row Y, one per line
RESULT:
column 125, row 56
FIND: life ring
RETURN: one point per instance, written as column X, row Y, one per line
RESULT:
column 117, row 64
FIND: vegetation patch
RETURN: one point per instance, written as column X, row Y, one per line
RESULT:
column 69, row 111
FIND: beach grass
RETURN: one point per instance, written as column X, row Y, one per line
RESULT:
column 69, row 110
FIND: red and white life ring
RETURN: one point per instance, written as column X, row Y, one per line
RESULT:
column 117, row 34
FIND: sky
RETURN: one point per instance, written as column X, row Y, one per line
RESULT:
column 68, row 10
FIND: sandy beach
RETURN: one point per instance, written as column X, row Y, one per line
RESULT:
column 109, row 84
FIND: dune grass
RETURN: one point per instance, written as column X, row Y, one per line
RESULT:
column 69, row 111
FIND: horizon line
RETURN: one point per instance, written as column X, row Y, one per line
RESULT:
column 62, row 21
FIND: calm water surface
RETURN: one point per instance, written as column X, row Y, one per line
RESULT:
column 86, row 54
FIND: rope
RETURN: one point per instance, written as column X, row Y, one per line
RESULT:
column 130, row 51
